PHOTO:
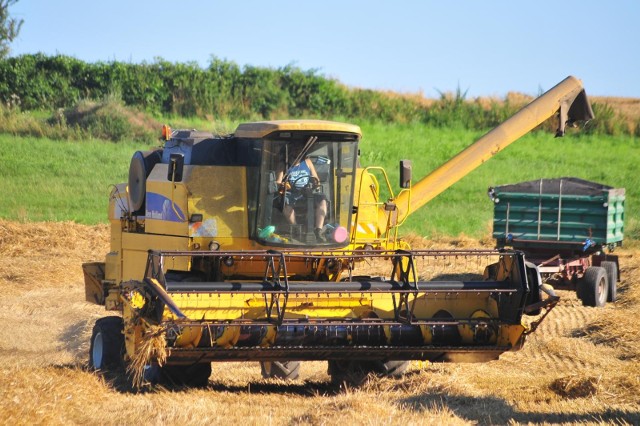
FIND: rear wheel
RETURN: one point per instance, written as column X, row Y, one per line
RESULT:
column 107, row 344
column 612, row 276
column 595, row 287
column 286, row 370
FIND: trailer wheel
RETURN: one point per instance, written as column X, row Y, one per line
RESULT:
column 355, row 372
column 612, row 276
column 595, row 287
column 107, row 344
column 286, row 370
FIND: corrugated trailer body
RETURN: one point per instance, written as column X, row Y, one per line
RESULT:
column 563, row 213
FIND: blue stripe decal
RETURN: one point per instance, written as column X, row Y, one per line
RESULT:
column 159, row 207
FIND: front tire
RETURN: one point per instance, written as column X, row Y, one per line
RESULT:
column 107, row 344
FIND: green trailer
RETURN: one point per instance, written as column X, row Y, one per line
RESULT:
column 568, row 227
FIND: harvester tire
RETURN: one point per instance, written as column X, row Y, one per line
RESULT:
column 595, row 287
column 394, row 368
column 355, row 372
column 612, row 275
column 285, row 370
column 107, row 344
column 196, row 375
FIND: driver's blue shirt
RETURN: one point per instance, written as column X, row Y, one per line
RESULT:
column 299, row 175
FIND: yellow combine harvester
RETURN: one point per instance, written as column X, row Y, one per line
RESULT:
column 260, row 246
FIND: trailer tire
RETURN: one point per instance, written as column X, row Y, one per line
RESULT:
column 595, row 287
column 107, row 344
column 612, row 275
column 355, row 372
column 285, row 370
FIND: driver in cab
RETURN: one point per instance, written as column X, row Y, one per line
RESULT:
column 296, row 176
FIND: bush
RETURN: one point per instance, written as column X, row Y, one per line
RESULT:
column 108, row 120
column 607, row 122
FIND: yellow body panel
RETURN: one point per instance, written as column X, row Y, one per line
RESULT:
column 174, row 203
column 224, row 212
column 365, row 226
column 225, row 306
column 135, row 249
column 133, row 330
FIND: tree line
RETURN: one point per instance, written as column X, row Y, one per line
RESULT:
column 224, row 89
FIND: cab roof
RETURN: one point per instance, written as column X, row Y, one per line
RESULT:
column 261, row 129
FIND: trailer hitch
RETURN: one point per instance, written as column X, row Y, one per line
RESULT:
column 547, row 305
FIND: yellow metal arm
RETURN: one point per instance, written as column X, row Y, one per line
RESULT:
column 568, row 98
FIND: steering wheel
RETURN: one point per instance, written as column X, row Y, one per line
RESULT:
column 312, row 183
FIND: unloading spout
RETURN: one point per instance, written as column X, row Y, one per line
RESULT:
column 567, row 98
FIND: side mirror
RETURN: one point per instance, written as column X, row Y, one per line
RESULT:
column 176, row 167
column 405, row 174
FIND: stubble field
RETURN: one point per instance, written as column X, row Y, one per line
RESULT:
column 580, row 366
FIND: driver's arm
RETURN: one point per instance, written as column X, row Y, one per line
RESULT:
column 282, row 186
column 312, row 169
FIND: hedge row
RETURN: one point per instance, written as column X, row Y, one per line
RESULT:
column 223, row 89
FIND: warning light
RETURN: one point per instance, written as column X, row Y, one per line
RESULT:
column 166, row 132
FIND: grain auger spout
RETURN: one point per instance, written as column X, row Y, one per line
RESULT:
column 567, row 100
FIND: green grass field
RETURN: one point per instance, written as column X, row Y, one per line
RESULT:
column 47, row 180
column 465, row 208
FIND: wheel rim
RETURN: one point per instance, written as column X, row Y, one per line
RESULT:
column 602, row 290
column 96, row 353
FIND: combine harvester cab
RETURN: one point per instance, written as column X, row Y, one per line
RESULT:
column 274, row 245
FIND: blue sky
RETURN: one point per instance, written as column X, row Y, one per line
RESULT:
column 486, row 48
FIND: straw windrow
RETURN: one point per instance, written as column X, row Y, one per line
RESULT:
column 152, row 349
